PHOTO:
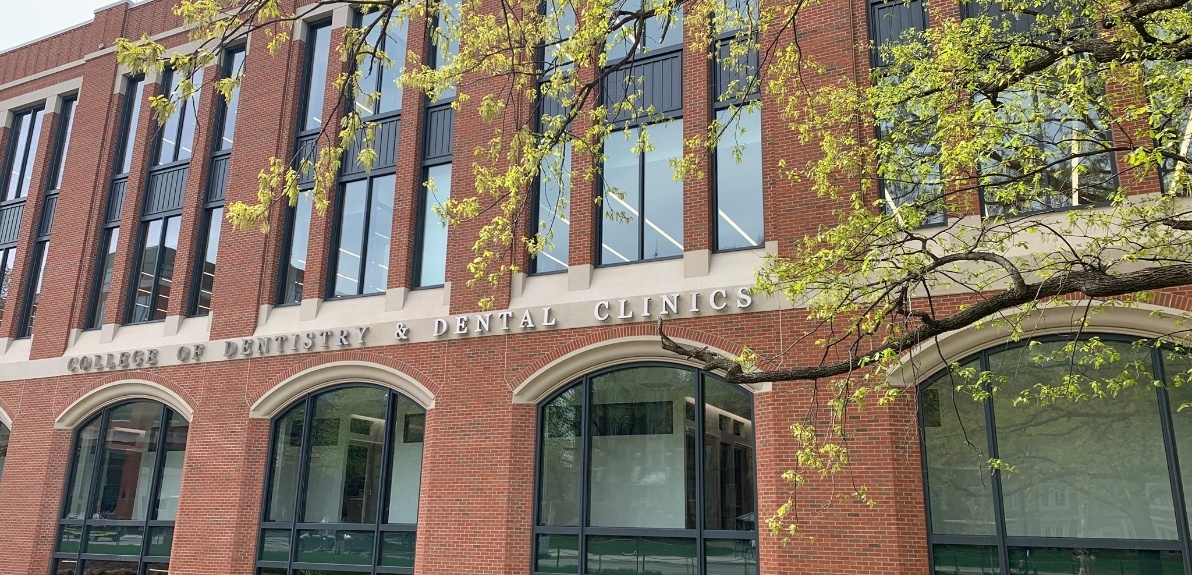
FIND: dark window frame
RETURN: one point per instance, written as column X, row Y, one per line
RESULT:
column 370, row 179
column 35, row 116
column 306, row 403
column 1001, row 541
column 421, row 222
column 86, row 524
column 184, row 113
column 129, row 121
column 158, row 270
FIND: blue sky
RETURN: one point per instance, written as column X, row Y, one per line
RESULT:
column 26, row 20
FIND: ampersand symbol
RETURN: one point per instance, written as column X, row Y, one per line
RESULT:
column 402, row 333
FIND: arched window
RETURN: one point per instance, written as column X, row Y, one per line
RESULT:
column 625, row 487
column 122, row 492
column 343, row 481
column 1097, row 485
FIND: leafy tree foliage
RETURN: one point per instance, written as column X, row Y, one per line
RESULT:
column 1013, row 155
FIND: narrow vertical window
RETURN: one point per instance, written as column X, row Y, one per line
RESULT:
column 432, row 230
column 175, row 140
column 444, row 40
column 738, row 153
column 292, row 276
column 366, row 218
column 642, row 201
column 380, row 92
column 7, row 283
column 134, row 91
column 553, row 198
column 49, row 206
column 155, row 270
column 217, row 183
column 122, row 491
column 22, row 151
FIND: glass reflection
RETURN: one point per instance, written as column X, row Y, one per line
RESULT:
column 1090, row 561
column 1054, row 494
column 347, row 435
column 641, row 555
column 731, row 557
column 114, row 540
column 397, row 549
column 739, row 180
column 405, row 473
column 319, row 41
column 127, row 463
column 643, row 203
column 86, row 451
column 729, row 498
column 953, row 559
column 295, row 272
column 557, row 554
column 328, row 546
column 433, row 261
column 559, row 475
column 642, row 458
column 94, row 567
column 4, row 435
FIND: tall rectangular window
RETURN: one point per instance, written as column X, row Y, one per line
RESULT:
column 444, row 40
column 49, row 206
column 175, row 138
column 662, row 31
column 642, row 201
column 7, row 283
column 432, row 230
column 217, row 182
column 365, row 224
column 134, row 91
column 155, row 270
column 292, row 276
column 380, row 92
column 553, row 198
column 22, row 151
column 738, row 154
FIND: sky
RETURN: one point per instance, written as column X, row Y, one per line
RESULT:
column 26, row 20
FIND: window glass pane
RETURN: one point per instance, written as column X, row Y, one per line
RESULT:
column 319, row 41
column 433, row 262
column 346, row 439
column 397, row 549
column 375, row 80
column 287, row 452
column 554, row 210
column 641, row 555
column 380, row 222
column 952, row 559
column 127, row 461
column 619, row 239
column 142, row 307
column 95, row 567
column 405, row 475
column 1177, row 367
column 165, row 273
column 642, row 451
column 67, row 116
column 959, row 481
column 42, row 250
column 660, row 31
column 136, row 88
column 85, row 454
column 558, row 478
column 1053, row 494
column 395, row 47
column 232, row 106
column 26, row 135
column 444, row 42
column 4, row 435
column 190, row 112
column 275, row 545
column 662, row 194
column 167, row 147
column 295, row 273
column 7, row 259
column 171, row 473
column 1089, row 560
column 161, row 541
column 114, row 540
column 729, row 498
column 111, row 242
column 207, row 265
column 65, row 567
column 557, row 554
column 70, row 538
column 327, row 546
column 731, row 556
column 351, row 238
column 739, row 180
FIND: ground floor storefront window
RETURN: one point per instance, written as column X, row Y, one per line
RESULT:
column 1098, row 485
column 647, row 469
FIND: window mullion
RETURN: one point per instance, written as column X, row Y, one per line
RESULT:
column 100, row 449
column 159, row 257
column 155, row 479
column 641, row 197
column 999, row 505
column 385, row 479
column 1173, row 461
column 29, row 152
column 364, row 236
column 698, row 448
column 581, row 544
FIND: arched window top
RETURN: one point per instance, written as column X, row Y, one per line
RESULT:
column 91, row 403
column 122, row 488
column 332, row 374
column 4, row 435
column 343, row 479
column 646, row 462
column 1095, row 478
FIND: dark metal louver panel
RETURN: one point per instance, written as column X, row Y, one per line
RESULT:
column 166, row 189
column 47, row 216
column 656, row 83
column 116, row 202
column 728, row 72
column 384, row 143
column 439, row 127
column 888, row 21
column 306, row 150
column 217, row 184
column 10, row 223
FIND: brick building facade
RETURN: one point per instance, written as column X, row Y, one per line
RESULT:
column 175, row 394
